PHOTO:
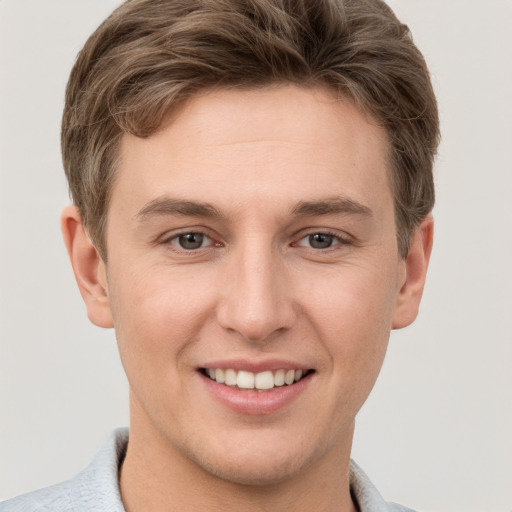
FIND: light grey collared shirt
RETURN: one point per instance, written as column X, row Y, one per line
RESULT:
column 96, row 488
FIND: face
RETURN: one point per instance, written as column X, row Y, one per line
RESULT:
column 252, row 240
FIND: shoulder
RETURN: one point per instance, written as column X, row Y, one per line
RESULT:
column 395, row 507
column 367, row 497
column 54, row 498
column 94, row 488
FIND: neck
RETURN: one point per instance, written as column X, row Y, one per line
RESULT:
column 157, row 477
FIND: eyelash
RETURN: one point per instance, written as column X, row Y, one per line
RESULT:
column 337, row 241
column 176, row 237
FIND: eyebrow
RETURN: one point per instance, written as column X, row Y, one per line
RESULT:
column 171, row 206
column 334, row 206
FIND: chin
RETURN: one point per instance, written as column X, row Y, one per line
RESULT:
column 253, row 472
column 257, row 462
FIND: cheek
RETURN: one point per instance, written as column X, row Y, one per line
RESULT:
column 353, row 320
column 157, row 316
column 354, row 302
column 356, row 338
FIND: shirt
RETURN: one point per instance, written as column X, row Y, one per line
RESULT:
column 96, row 488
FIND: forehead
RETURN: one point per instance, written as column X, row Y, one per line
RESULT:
column 275, row 143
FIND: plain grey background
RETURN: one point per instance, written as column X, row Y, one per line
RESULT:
column 436, row 433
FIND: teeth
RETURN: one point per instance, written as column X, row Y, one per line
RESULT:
column 248, row 380
column 264, row 380
column 219, row 375
column 230, row 377
column 279, row 378
column 244, row 380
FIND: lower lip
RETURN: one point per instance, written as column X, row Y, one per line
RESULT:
column 253, row 402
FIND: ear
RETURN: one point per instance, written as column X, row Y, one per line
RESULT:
column 415, row 272
column 88, row 266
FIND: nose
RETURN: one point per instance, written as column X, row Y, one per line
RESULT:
column 257, row 299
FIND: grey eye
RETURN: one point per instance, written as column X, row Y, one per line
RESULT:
column 320, row 240
column 190, row 241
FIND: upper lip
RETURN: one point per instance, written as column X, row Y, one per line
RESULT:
column 256, row 366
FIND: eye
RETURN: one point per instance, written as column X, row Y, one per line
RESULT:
column 191, row 241
column 319, row 241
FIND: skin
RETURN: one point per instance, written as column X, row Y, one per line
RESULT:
column 256, row 290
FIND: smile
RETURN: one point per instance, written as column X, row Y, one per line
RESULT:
column 262, row 381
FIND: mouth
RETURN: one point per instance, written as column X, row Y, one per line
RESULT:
column 262, row 381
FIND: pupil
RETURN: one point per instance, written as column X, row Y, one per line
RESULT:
column 191, row 240
column 320, row 241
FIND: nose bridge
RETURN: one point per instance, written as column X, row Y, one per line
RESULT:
column 256, row 302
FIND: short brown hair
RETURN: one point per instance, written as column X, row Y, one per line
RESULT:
column 149, row 56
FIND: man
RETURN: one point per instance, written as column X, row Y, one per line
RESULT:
column 252, row 188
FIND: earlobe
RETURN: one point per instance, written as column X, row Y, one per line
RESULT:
column 416, row 265
column 88, row 267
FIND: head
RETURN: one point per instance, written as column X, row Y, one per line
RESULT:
column 253, row 182
column 150, row 57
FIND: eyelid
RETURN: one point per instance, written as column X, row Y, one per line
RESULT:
column 342, row 239
column 168, row 238
column 174, row 240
